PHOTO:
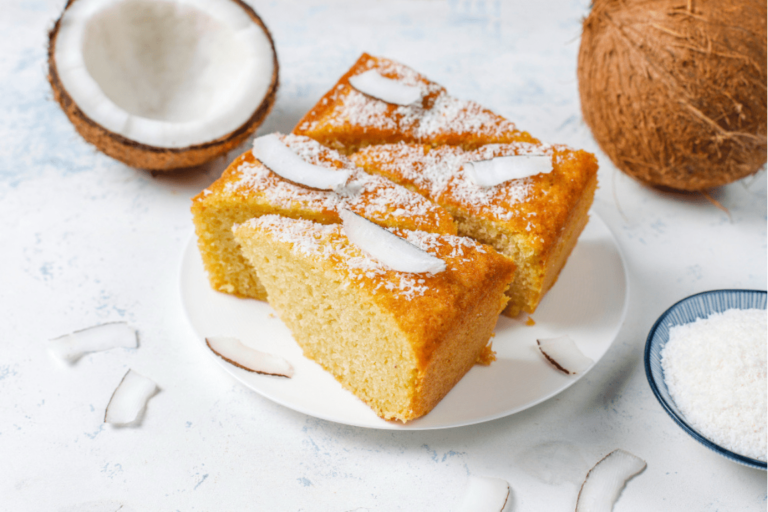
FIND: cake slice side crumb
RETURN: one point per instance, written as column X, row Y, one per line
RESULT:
column 399, row 341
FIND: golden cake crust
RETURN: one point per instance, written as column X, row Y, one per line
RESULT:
column 248, row 189
column 538, row 206
column 541, row 216
column 347, row 119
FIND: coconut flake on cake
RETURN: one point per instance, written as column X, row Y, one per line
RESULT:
column 328, row 243
column 386, row 89
column 440, row 172
column 372, row 196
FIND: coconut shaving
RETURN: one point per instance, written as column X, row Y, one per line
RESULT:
column 715, row 369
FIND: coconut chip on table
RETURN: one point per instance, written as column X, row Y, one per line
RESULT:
column 485, row 494
column 106, row 336
column 605, row 481
column 370, row 195
column 129, row 399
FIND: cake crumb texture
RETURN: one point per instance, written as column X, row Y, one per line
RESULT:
column 249, row 189
column 399, row 341
column 536, row 221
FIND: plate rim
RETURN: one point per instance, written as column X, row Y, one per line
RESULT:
column 396, row 426
column 651, row 377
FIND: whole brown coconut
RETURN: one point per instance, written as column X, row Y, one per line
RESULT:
column 675, row 91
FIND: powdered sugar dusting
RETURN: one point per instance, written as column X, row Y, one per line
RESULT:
column 328, row 242
column 373, row 197
column 439, row 173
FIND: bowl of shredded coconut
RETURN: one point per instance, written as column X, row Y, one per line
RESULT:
column 705, row 360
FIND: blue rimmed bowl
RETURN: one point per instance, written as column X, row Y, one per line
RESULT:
column 688, row 310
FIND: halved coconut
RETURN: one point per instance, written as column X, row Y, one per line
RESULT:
column 162, row 84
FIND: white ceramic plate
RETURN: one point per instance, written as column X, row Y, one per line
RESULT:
column 588, row 303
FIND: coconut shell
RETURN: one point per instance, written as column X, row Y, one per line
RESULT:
column 144, row 156
column 675, row 91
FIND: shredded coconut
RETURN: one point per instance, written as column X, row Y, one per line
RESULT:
column 449, row 114
column 371, row 196
column 438, row 114
column 439, row 173
column 715, row 369
column 329, row 243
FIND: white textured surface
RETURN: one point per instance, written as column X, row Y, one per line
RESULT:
column 84, row 239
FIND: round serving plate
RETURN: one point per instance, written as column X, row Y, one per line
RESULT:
column 588, row 303
column 688, row 310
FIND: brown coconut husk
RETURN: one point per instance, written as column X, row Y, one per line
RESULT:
column 674, row 90
column 144, row 156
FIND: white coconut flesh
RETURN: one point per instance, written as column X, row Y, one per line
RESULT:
column 565, row 355
column 129, row 399
column 387, row 248
column 168, row 74
column 234, row 352
column 385, row 89
column 485, row 494
column 281, row 160
column 605, row 481
column 489, row 173
column 72, row 347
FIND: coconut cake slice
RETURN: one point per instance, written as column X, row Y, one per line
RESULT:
column 347, row 118
column 249, row 189
column 535, row 220
column 398, row 340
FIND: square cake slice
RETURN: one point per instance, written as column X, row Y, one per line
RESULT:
column 399, row 341
column 249, row 189
column 536, row 221
column 348, row 119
